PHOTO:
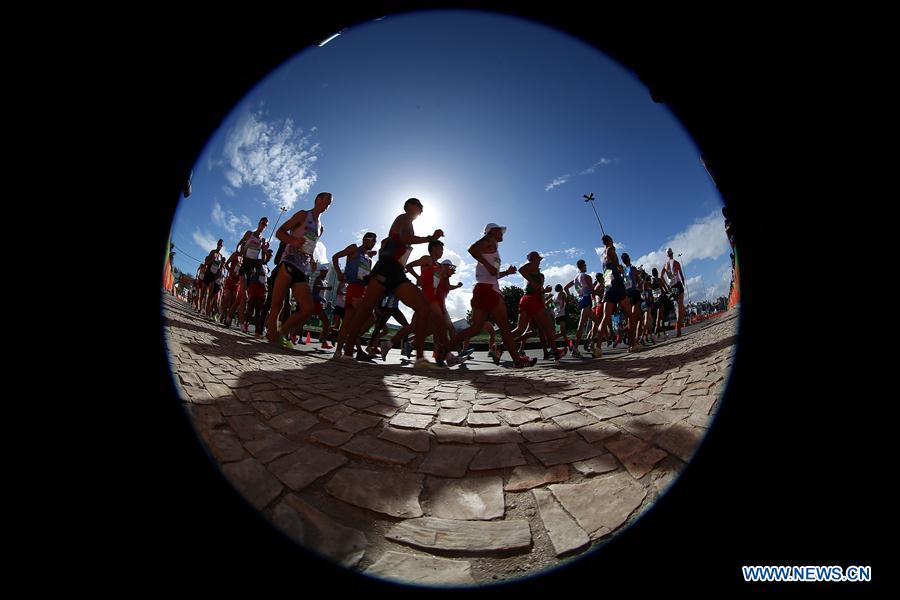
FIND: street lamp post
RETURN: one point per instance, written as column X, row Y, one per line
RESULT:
column 283, row 210
column 590, row 198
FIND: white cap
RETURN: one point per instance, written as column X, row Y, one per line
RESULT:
column 323, row 268
column 448, row 262
column 490, row 226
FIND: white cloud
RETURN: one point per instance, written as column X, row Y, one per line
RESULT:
column 459, row 302
column 205, row 241
column 465, row 270
column 600, row 163
column 228, row 220
column 562, row 275
column 320, row 254
column 703, row 239
column 272, row 156
column 358, row 236
column 569, row 252
column 557, row 182
column 696, row 290
column 228, row 191
column 564, row 178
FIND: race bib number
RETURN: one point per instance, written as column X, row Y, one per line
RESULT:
column 214, row 269
column 310, row 239
column 608, row 277
column 364, row 270
column 628, row 283
column 436, row 280
column 657, row 294
column 253, row 252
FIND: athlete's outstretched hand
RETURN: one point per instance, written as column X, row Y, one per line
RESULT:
column 438, row 233
column 371, row 253
column 512, row 269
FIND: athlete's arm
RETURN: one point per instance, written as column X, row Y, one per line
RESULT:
column 476, row 253
column 282, row 233
column 348, row 251
column 406, row 234
column 243, row 241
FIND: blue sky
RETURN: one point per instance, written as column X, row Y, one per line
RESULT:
column 483, row 117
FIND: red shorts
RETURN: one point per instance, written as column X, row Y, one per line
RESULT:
column 256, row 290
column 431, row 295
column 598, row 310
column 485, row 297
column 531, row 304
column 354, row 290
column 231, row 282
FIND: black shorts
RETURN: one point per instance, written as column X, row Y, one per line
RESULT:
column 614, row 294
column 209, row 278
column 248, row 266
column 339, row 311
column 678, row 290
column 560, row 320
column 389, row 273
column 297, row 276
column 634, row 296
column 645, row 306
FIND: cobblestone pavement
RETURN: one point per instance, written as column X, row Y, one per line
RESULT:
column 448, row 477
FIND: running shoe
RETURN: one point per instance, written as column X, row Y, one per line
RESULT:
column 385, row 348
column 597, row 353
column 371, row 351
column 466, row 353
column 285, row 343
column 424, row 363
column 362, row 357
column 560, row 354
column 577, row 353
column 326, row 345
column 525, row 363
column 547, row 355
column 495, row 356
column 407, row 349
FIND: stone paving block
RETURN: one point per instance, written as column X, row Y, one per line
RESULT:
column 602, row 504
column 301, row 468
column 319, row 532
column 417, row 440
column 331, row 437
column 408, row 421
column 564, row 533
column 563, row 451
column 501, row 456
column 422, row 570
column 472, row 498
column 253, row 481
column 357, row 422
column 470, row 537
column 448, row 433
column 392, row 494
column 270, row 447
column 528, row 477
column 448, row 461
column 379, row 451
